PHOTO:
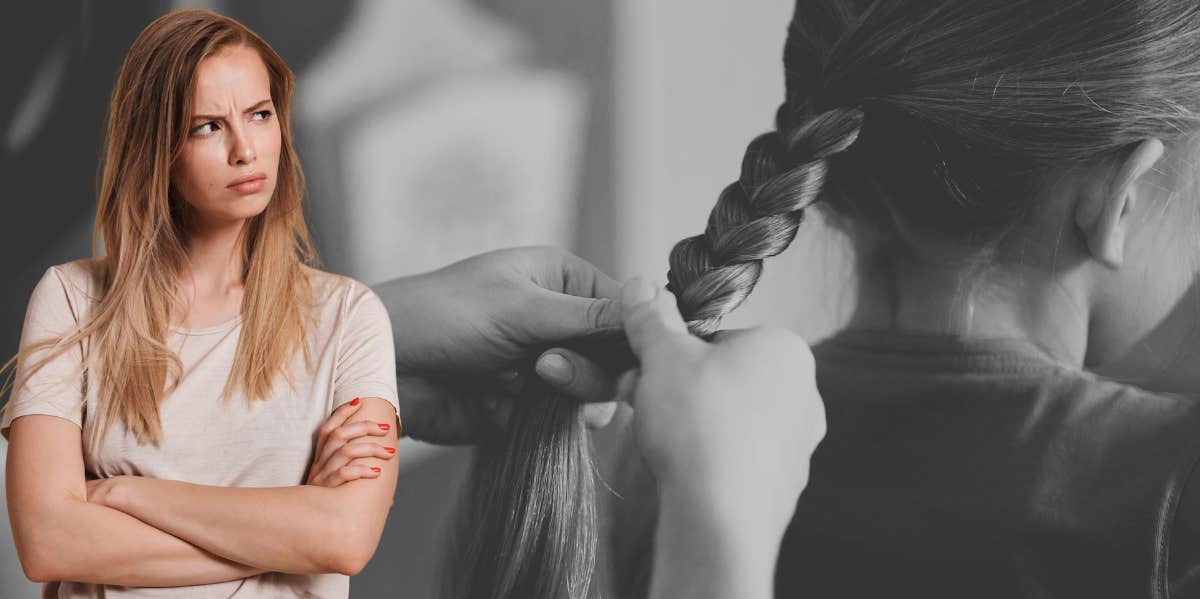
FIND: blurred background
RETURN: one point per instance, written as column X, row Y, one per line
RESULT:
column 431, row 130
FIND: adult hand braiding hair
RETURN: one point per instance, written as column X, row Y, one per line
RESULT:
column 463, row 331
column 757, row 216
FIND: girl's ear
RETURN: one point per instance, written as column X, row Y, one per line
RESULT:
column 1103, row 210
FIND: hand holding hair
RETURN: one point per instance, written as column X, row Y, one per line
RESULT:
column 463, row 330
column 727, row 428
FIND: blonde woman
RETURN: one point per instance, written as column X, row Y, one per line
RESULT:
column 190, row 366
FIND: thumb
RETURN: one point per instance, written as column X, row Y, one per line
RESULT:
column 651, row 318
column 550, row 317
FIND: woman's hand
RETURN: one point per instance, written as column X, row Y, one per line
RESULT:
column 463, row 330
column 340, row 445
column 728, row 424
column 104, row 491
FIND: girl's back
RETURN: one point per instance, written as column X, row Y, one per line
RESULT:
column 982, row 468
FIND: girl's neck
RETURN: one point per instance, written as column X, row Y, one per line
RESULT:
column 1048, row 309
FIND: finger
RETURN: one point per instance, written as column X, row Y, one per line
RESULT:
column 582, row 279
column 336, row 419
column 450, row 420
column 352, row 451
column 349, row 432
column 550, row 317
column 511, row 382
column 627, row 385
column 652, row 319
column 575, row 376
column 348, row 473
column 599, row 415
column 503, row 412
column 340, row 415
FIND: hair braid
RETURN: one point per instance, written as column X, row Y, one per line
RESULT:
column 757, row 216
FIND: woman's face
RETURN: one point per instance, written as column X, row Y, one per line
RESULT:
column 1146, row 322
column 229, row 163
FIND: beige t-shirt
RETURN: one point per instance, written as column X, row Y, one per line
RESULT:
column 206, row 440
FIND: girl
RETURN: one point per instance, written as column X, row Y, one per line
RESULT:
column 1008, row 411
column 189, row 367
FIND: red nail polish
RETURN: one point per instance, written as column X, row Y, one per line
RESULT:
column 375, row 468
column 390, row 449
column 354, row 402
column 384, row 427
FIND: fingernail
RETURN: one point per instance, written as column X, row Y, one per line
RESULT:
column 636, row 291
column 390, row 449
column 354, row 402
column 385, row 427
column 375, row 469
column 555, row 368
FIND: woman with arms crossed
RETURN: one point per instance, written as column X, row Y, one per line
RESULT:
column 200, row 348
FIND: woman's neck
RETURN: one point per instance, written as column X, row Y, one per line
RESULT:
column 212, row 283
column 973, row 300
column 215, row 258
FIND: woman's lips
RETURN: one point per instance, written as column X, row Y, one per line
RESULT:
column 249, row 184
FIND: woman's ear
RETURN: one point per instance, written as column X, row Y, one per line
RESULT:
column 1102, row 212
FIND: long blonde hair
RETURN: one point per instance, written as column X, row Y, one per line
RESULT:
column 140, row 221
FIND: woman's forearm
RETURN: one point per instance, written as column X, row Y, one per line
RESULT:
column 84, row 542
column 301, row 530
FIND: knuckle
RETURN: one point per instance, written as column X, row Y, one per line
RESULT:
column 597, row 311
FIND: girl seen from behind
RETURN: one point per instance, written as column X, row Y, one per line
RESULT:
column 1008, row 408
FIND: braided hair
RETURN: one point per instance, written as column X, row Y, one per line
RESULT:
column 757, row 216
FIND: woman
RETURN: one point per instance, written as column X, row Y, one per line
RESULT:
column 189, row 367
column 1018, row 181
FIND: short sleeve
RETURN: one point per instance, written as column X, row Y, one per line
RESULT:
column 366, row 362
column 57, row 388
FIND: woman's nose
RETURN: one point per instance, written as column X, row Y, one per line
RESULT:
column 242, row 151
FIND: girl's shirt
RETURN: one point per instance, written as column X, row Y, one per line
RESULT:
column 956, row 468
column 207, row 440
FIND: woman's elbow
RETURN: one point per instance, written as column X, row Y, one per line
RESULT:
column 38, row 563
column 355, row 547
column 350, row 559
column 349, row 564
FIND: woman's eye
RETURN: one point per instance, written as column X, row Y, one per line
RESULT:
column 205, row 129
column 262, row 115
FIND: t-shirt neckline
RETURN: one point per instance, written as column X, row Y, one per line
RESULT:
column 217, row 328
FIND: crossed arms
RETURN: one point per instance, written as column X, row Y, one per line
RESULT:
column 147, row 532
